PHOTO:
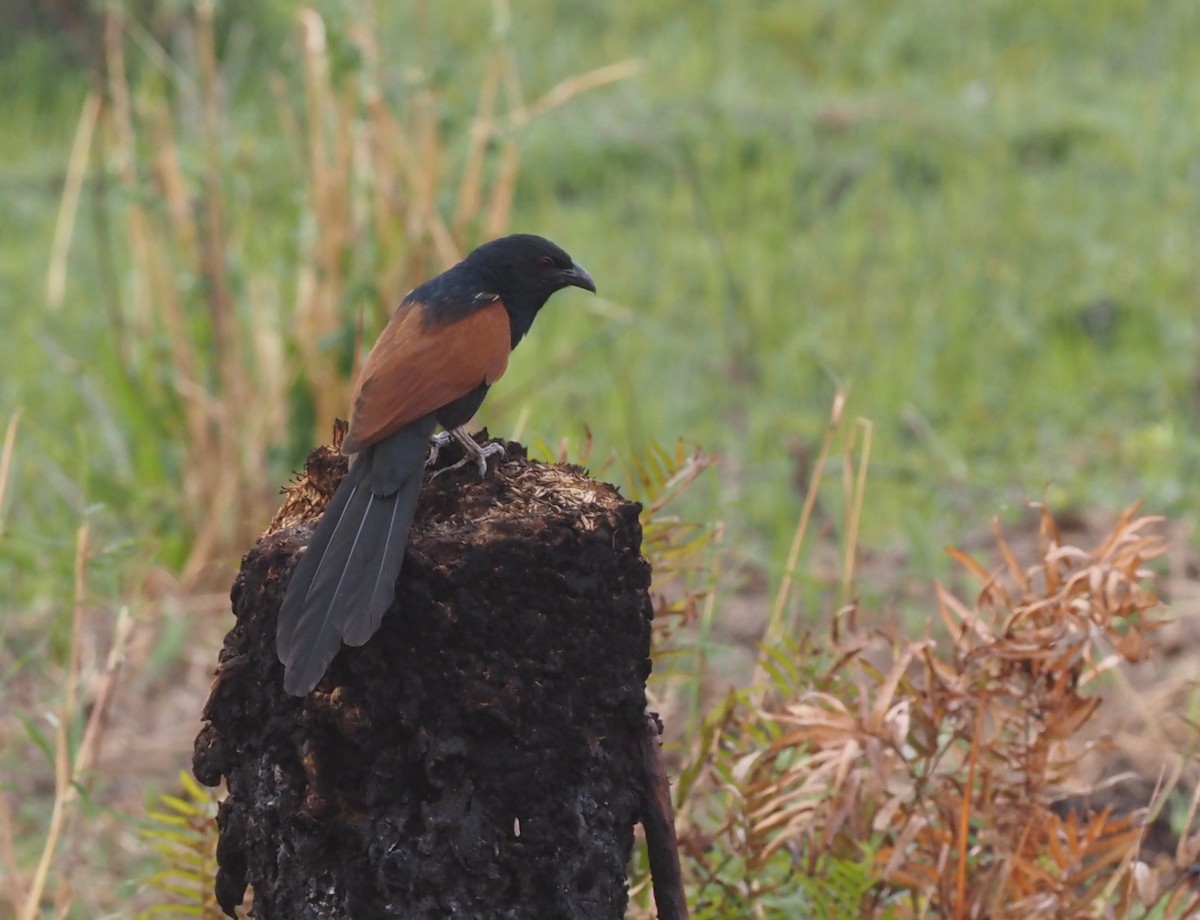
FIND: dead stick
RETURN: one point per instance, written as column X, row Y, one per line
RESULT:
column 658, row 820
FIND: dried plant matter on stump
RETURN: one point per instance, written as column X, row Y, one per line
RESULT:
column 480, row 755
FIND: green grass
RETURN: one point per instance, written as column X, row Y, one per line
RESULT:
column 996, row 174
column 979, row 218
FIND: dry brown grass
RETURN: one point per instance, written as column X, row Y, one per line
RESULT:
column 875, row 775
column 79, row 729
column 216, row 350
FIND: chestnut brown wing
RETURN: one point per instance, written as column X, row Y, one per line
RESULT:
column 417, row 367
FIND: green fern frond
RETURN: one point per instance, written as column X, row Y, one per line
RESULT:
column 182, row 832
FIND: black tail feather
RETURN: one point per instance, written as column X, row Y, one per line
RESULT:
column 371, row 597
column 343, row 585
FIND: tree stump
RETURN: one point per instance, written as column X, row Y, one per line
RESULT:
column 482, row 755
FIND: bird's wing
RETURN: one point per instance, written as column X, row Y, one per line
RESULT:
column 417, row 367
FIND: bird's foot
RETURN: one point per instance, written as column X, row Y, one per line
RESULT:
column 473, row 451
column 436, row 443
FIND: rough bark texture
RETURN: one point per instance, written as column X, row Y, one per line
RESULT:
column 479, row 756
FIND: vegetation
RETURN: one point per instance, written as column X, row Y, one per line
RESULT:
column 971, row 224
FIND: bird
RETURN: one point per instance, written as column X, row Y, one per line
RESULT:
column 442, row 349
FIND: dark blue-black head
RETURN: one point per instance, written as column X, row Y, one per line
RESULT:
column 524, row 270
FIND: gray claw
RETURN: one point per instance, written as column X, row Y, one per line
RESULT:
column 473, row 451
column 436, row 443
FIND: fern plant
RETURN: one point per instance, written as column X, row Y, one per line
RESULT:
column 182, row 832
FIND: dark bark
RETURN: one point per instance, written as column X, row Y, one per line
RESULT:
column 482, row 755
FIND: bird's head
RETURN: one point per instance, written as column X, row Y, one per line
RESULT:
column 524, row 270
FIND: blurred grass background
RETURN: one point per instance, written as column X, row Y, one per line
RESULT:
column 982, row 218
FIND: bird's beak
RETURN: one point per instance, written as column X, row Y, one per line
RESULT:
column 577, row 275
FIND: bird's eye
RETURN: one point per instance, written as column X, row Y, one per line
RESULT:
column 545, row 262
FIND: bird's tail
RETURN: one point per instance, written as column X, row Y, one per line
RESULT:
column 343, row 585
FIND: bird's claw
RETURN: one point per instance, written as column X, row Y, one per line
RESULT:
column 473, row 451
column 436, row 443
column 487, row 450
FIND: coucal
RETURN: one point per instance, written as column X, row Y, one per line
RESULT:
column 445, row 345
